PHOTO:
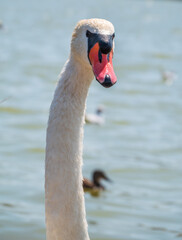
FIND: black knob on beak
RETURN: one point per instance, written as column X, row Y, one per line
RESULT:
column 105, row 44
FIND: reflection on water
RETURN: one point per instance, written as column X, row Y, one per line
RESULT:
column 142, row 133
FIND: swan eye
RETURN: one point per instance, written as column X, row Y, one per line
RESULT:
column 88, row 33
column 113, row 36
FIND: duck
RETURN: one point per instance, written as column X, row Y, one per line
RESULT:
column 96, row 118
column 94, row 186
column 91, row 53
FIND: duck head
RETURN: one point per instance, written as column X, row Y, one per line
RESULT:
column 99, row 175
column 93, row 44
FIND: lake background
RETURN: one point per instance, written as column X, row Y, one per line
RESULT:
column 140, row 144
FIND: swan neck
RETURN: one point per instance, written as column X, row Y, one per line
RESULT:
column 64, row 198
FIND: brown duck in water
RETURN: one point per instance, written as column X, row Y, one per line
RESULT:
column 94, row 187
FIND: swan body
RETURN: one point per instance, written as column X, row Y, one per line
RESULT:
column 64, row 197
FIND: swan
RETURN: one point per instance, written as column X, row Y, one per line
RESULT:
column 91, row 54
column 94, row 187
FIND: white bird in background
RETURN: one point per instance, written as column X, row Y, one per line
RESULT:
column 91, row 54
column 169, row 77
column 96, row 118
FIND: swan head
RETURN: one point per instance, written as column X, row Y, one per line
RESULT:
column 93, row 44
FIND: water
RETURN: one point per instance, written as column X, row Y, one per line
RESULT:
column 140, row 145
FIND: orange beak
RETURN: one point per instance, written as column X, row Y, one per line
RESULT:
column 102, row 66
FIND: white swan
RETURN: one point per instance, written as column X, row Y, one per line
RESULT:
column 91, row 52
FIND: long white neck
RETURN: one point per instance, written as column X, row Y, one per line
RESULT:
column 64, row 198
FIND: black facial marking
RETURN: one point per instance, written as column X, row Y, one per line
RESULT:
column 100, row 56
column 105, row 43
column 88, row 33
